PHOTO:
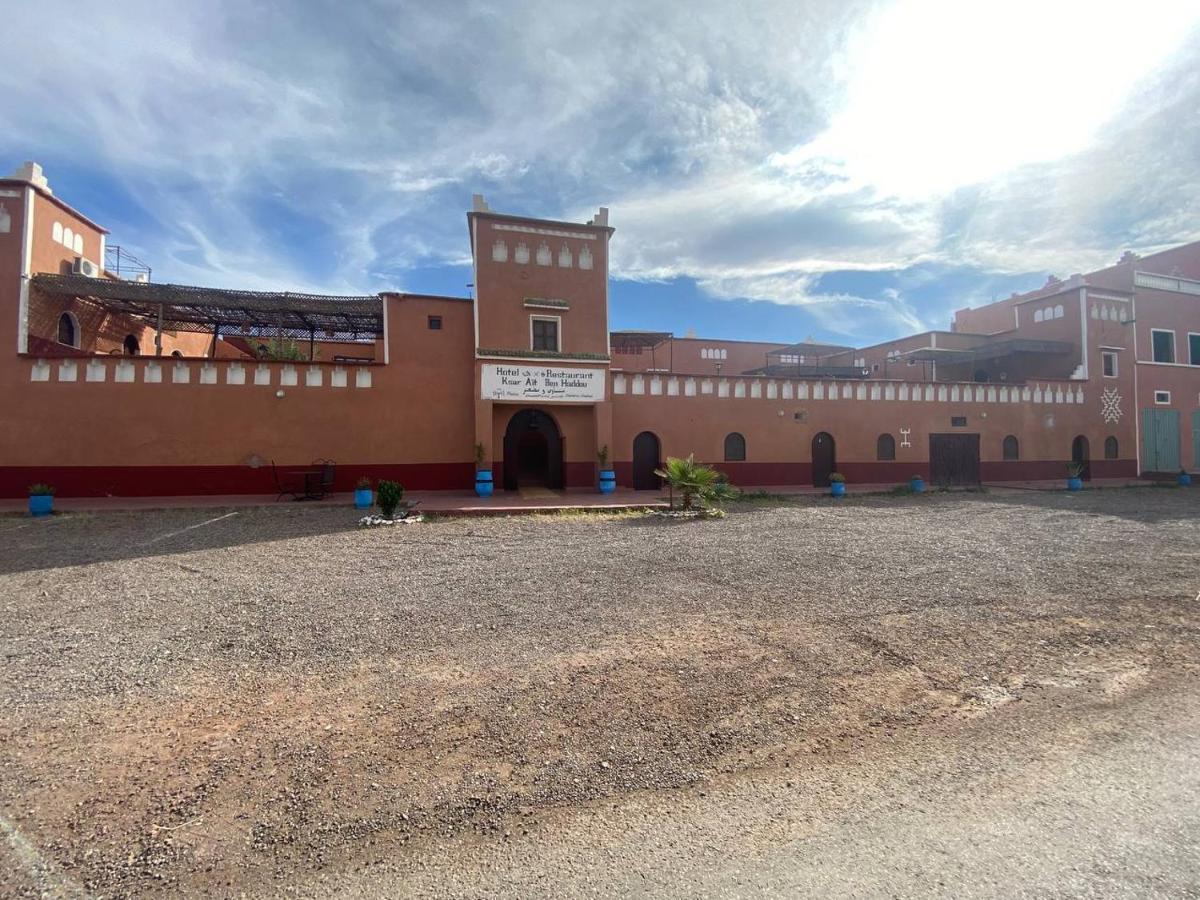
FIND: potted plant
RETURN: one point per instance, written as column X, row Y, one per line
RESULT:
column 41, row 499
column 608, row 478
column 483, row 474
column 390, row 495
column 1185, row 479
column 837, row 485
column 363, row 498
column 917, row 483
column 1074, row 476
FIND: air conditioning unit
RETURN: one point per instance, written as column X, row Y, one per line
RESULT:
column 142, row 277
column 86, row 267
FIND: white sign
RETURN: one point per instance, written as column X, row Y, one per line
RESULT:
column 542, row 383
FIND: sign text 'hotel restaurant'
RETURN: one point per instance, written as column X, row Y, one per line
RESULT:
column 542, row 383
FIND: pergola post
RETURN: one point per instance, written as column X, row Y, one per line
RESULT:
column 212, row 351
column 158, row 332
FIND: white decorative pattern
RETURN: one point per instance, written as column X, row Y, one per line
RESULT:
column 1110, row 405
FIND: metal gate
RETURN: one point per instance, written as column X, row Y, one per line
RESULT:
column 1160, row 440
column 954, row 459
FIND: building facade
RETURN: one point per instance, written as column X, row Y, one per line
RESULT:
column 117, row 385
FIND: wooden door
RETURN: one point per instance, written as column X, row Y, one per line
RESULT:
column 824, row 459
column 954, row 459
column 646, row 451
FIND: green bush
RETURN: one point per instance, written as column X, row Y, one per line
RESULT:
column 697, row 484
column 40, row 490
column 389, row 494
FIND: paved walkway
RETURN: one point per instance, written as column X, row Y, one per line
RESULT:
column 501, row 503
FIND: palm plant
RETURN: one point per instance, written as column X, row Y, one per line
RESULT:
column 697, row 485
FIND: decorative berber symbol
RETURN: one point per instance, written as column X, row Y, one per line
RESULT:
column 904, row 433
column 1110, row 405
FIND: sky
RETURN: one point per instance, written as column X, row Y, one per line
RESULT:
column 846, row 171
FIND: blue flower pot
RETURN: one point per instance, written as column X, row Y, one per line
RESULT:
column 483, row 484
column 1074, row 484
column 838, row 489
column 608, row 481
column 363, row 498
column 41, row 504
column 917, row 485
column 1185, row 479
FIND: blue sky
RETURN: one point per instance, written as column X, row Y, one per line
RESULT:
column 849, row 171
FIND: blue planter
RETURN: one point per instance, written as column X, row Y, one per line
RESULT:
column 363, row 498
column 608, row 481
column 41, row 504
column 917, row 485
column 483, row 484
column 1185, row 479
column 838, row 489
column 1074, row 484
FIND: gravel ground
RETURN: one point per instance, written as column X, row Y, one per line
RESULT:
column 204, row 700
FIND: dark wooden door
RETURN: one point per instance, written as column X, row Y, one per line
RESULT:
column 954, row 459
column 1082, row 455
column 824, row 459
column 646, row 450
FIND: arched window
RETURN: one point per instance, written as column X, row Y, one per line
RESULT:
column 131, row 345
column 68, row 238
column 500, row 251
column 1058, row 312
column 564, row 257
column 521, row 254
column 885, row 447
column 585, row 258
column 68, row 330
column 735, row 447
column 57, row 232
column 177, row 354
column 1110, row 448
column 1037, row 315
column 543, row 254
column 1011, row 448
column 77, row 246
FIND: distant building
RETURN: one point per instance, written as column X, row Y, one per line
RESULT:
column 116, row 384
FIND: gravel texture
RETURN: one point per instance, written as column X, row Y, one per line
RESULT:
column 201, row 701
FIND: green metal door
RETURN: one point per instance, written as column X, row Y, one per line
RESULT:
column 1160, row 440
column 1196, row 441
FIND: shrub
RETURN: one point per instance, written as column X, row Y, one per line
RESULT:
column 1074, row 469
column 363, row 484
column 696, row 483
column 836, row 477
column 479, row 455
column 390, row 493
column 602, row 456
column 40, row 490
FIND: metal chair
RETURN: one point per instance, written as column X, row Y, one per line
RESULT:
column 279, row 487
column 324, row 486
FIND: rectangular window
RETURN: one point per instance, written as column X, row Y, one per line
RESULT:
column 435, row 323
column 545, row 333
column 1163, row 343
column 1162, row 397
column 1110, row 363
column 1193, row 348
column 958, row 421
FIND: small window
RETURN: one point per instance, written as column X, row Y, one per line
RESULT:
column 1163, row 342
column 1193, row 349
column 545, row 334
column 1058, row 312
column 1110, row 363
column 564, row 257
column 177, row 354
column 435, row 323
column 77, row 245
column 499, row 252
column 68, row 330
column 543, row 254
column 56, row 232
column 958, row 421
column 1110, row 447
column 585, row 258
column 1011, row 448
column 885, row 447
column 1162, row 397
column 735, row 447
column 1037, row 315
column 68, row 238
column 131, row 345
column 521, row 254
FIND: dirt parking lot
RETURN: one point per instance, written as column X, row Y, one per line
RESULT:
column 204, row 706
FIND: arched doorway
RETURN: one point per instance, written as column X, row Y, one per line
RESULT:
column 131, row 345
column 824, row 459
column 533, row 451
column 647, row 452
column 1080, row 454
